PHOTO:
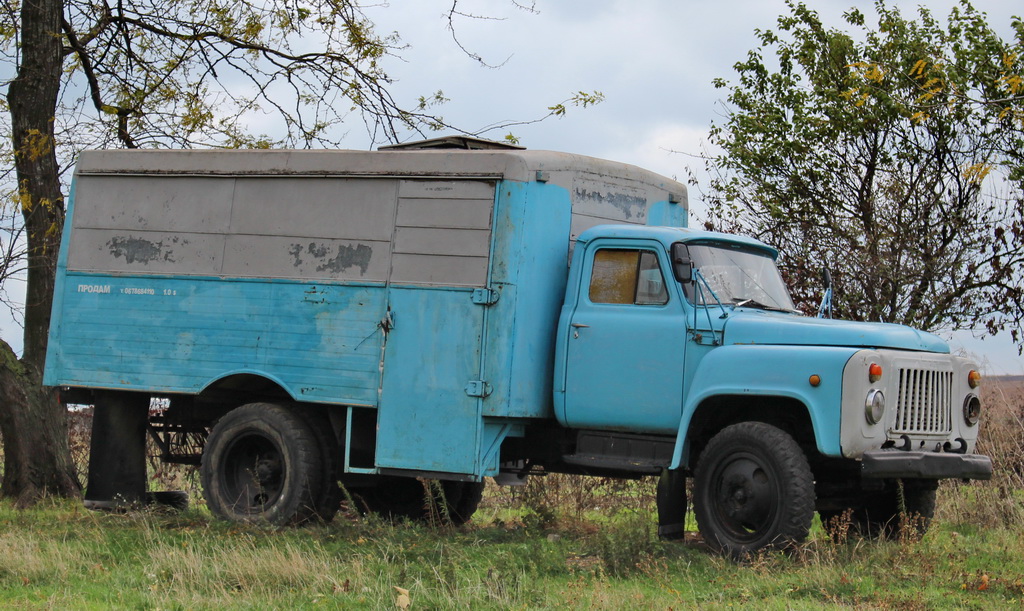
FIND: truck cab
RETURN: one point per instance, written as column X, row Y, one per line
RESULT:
column 689, row 340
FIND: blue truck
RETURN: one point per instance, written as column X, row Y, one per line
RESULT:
column 401, row 324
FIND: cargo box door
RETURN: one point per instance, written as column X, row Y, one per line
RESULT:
column 429, row 415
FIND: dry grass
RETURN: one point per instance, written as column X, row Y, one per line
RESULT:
column 998, row 502
column 568, row 501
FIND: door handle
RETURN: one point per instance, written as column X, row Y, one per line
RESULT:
column 580, row 325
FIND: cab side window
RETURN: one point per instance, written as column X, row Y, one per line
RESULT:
column 627, row 277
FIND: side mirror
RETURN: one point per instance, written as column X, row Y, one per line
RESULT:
column 682, row 265
column 825, row 307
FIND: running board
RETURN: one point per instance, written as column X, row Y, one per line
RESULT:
column 622, row 452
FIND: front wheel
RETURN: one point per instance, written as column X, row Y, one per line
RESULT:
column 902, row 509
column 262, row 463
column 753, row 489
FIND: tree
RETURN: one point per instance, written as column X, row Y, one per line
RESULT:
column 891, row 154
column 159, row 73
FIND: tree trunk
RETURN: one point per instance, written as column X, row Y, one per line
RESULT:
column 37, row 460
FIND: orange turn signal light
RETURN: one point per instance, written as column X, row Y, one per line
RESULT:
column 815, row 380
column 875, row 372
column 974, row 379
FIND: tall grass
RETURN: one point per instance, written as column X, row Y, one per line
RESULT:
column 1000, row 501
column 560, row 541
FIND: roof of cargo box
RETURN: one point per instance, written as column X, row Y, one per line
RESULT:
column 450, row 163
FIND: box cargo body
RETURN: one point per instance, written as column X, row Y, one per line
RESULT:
column 403, row 286
column 401, row 324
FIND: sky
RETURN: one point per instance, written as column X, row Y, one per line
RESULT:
column 654, row 60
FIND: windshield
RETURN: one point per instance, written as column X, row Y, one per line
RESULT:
column 740, row 276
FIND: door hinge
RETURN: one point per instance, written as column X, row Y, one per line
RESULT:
column 478, row 388
column 485, row 296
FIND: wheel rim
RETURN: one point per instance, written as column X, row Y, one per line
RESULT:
column 253, row 474
column 745, row 497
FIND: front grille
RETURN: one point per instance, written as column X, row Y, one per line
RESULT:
column 925, row 402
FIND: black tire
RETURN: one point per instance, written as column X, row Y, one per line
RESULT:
column 397, row 498
column 262, row 463
column 327, row 499
column 753, row 490
column 173, row 499
column 883, row 516
column 463, row 499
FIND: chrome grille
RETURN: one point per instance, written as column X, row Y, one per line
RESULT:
column 925, row 402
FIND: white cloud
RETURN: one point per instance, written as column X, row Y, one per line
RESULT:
column 653, row 60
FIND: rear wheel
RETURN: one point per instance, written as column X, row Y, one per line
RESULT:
column 262, row 463
column 328, row 496
column 753, row 490
column 463, row 499
column 448, row 502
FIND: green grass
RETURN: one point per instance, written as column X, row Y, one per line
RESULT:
column 59, row 555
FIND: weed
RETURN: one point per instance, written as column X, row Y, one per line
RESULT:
column 628, row 548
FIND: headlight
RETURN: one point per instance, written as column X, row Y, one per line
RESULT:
column 972, row 410
column 874, row 406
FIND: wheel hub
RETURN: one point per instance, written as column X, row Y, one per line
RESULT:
column 267, row 471
column 746, row 496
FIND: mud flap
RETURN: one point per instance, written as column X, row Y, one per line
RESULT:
column 117, row 452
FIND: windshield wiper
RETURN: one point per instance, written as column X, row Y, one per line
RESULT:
column 752, row 303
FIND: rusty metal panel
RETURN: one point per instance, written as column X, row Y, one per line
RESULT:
column 442, row 233
column 597, row 200
column 442, row 241
column 297, row 258
column 453, row 213
column 339, row 208
column 145, row 252
column 199, row 205
column 611, row 198
column 439, row 270
column 445, row 189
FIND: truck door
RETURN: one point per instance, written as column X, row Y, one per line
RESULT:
column 431, row 388
column 624, row 354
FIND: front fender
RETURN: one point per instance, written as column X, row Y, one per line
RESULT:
column 771, row 371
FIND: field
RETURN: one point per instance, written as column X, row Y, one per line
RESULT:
column 560, row 542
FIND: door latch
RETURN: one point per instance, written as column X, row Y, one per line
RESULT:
column 478, row 388
column 485, row 296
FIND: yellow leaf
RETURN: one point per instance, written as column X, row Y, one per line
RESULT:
column 976, row 173
column 875, row 74
column 1013, row 83
column 402, row 601
column 933, row 84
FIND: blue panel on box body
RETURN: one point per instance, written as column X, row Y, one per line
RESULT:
column 442, row 340
column 426, row 420
column 529, row 270
column 321, row 342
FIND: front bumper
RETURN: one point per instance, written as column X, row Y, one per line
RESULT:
column 924, row 465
